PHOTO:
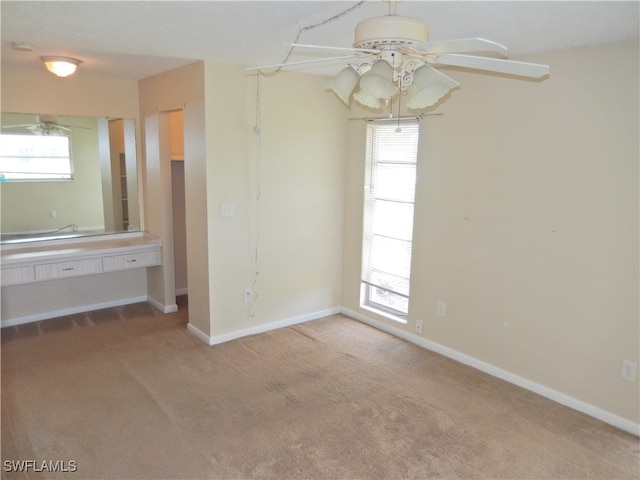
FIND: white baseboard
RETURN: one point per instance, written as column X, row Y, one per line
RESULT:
column 70, row 311
column 225, row 337
column 556, row 396
column 182, row 291
column 162, row 307
column 199, row 334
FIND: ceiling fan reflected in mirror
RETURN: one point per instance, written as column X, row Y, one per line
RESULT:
column 45, row 125
column 392, row 55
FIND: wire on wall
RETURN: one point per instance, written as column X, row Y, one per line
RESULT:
column 312, row 27
column 257, row 129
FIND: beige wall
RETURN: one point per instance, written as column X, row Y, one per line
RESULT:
column 38, row 91
column 297, row 227
column 526, row 224
column 296, row 167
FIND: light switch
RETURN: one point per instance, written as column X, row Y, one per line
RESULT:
column 226, row 210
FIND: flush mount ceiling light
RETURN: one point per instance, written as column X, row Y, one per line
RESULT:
column 61, row 66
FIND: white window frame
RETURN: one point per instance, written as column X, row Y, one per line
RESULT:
column 22, row 157
column 390, row 179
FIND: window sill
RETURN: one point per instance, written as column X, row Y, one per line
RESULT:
column 395, row 318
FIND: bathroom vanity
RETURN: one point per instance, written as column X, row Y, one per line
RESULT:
column 55, row 259
column 47, row 278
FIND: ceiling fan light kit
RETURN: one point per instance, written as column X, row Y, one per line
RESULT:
column 344, row 83
column 377, row 81
column 61, row 66
column 393, row 56
column 392, row 39
column 428, row 87
column 366, row 99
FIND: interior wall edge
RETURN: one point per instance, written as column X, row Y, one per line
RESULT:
column 199, row 334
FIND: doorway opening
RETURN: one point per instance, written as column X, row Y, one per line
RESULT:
column 176, row 145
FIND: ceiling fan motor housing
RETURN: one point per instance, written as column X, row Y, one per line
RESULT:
column 390, row 30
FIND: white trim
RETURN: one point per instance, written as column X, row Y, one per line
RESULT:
column 162, row 307
column 67, row 239
column 182, row 291
column 199, row 334
column 556, row 396
column 382, row 313
column 225, row 337
column 69, row 311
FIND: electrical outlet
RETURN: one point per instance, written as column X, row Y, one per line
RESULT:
column 246, row 295
column 226, row 210
column 418, row 326
column 441, row 309
column 53, row 214
column 628, row 371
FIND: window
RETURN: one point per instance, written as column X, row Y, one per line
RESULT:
column 388, row 217
column 34, row 158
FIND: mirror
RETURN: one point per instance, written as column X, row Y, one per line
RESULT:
column 98, row 197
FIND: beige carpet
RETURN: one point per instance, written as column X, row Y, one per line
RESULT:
column 128, row 393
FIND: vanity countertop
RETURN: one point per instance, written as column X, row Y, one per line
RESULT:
column 57, row 250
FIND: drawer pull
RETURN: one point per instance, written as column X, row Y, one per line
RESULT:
column 131, row 261
column 67, row 269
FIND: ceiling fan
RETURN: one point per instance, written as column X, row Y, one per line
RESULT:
column 392, row 54
column 45, row 125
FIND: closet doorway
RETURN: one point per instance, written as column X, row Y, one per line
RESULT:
column 176, row 133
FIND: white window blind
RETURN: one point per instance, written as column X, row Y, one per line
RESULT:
column 34, row 158
column 388, row 217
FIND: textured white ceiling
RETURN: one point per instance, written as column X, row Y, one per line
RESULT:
column 134, row 40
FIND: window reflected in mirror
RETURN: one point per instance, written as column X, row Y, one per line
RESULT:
column 91, row 189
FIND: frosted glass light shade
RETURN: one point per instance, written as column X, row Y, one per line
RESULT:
column 378, row 81
column 61, row 66
column 428, row 87
column 344, row 83
column 364, row 98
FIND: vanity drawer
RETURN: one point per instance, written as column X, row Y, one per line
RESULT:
column 52, row 271
column 130, row 260
column 17, row 275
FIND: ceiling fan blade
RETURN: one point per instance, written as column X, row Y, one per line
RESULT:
column 324, row 47
column 304, row 62
column 521, row 69
column 69, row 127
column 461, row 45
column 18, row 126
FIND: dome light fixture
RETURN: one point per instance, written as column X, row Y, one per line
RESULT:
column 61, row 66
